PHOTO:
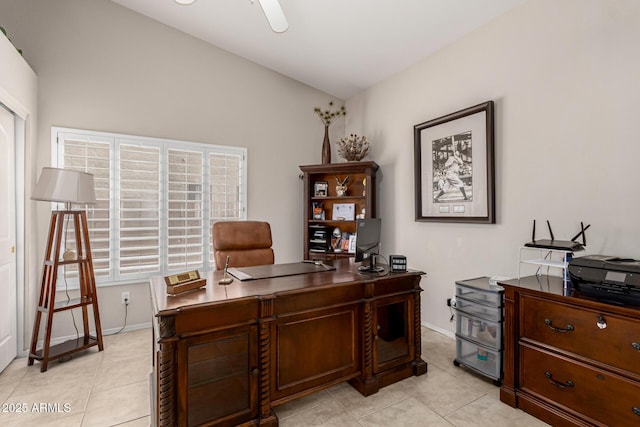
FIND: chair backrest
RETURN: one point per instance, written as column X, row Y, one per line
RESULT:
column 245, row 242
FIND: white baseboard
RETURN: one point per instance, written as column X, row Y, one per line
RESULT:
column 440, row 330
column 129, row 328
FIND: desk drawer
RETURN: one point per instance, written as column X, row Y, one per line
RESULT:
column 603, row 337
column 601, row 396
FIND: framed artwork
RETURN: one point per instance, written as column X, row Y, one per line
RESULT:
column 320, row 189
column 343, row 212
column 454, row 167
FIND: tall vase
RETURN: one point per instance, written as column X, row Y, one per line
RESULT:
column 326, row 147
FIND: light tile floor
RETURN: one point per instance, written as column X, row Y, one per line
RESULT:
column 110, row 388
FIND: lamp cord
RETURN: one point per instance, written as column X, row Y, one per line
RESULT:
column 66, row 285
column 126, row 312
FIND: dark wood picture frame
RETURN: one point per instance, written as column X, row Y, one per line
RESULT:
column 455, row 167
column 320, row 189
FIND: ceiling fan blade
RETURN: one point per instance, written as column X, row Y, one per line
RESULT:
column 274, row 15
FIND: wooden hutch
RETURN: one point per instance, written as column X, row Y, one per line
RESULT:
column 360, row 192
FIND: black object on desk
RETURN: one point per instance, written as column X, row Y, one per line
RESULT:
column 277, row 270
column 607, row 278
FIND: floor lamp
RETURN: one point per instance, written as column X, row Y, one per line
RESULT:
column 69, row 187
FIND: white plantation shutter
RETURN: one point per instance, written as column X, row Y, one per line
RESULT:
column 139, row 194
column 227, row 178
column 226, row 170
column 153, row 214
column 185, row 240
column 92, row 155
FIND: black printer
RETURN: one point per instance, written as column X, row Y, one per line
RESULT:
column 607, row 278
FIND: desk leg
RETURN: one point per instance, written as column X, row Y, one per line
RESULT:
column 367, row 384
column 166, row 384
column 419, row 365
column 267, row 415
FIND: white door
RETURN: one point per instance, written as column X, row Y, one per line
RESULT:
column 8, row 305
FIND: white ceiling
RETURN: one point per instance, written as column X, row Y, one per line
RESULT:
column 338, row 46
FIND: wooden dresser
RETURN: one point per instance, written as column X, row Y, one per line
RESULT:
column 569, row 360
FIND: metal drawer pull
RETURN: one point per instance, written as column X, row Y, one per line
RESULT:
column 636, row 411
column 557, row 383
column 553, row 328
column 636, row 345
column 601, row 323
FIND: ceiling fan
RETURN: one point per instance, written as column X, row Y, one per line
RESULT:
column 272, row 11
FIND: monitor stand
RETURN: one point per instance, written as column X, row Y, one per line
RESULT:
column 370, row 267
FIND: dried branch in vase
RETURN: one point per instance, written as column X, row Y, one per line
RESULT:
column 328, row 116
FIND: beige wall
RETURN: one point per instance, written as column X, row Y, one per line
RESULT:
column 564, row 77
column 103, row 67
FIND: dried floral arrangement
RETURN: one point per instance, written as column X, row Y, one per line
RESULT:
column 328, row 116
column 353, row 147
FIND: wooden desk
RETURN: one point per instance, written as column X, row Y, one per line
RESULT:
column 228, row 354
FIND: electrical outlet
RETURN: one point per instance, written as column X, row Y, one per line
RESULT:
column 126, row 298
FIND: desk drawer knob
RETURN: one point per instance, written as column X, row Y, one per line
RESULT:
column 601, row 323
column 636, row 345
column 636, row 411
column 569, row 328
column 558, row 383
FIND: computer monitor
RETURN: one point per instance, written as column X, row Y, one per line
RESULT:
column 368, row 244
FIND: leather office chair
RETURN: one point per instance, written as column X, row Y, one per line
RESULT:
column 246, row 243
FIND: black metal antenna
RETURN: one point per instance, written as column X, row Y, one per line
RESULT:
column 533, row 233
column 582, row 232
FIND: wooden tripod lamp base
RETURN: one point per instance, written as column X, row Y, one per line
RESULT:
column 68, row 186
column 48, row 306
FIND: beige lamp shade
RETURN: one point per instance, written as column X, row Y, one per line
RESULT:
column 64, row 185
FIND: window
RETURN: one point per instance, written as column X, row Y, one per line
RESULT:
column 153, row 213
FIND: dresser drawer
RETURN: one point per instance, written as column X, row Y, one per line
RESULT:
column 605, row 338
column 604, row 397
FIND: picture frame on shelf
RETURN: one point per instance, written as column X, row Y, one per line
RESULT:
column 455, row 168
column 344, row 245
column 343, row 212
column 320, row 189
column 318, row 211
column 352, row 243
column 348, row 242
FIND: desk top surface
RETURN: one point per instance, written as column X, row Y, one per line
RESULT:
column 543, row 283
column 345, row 272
